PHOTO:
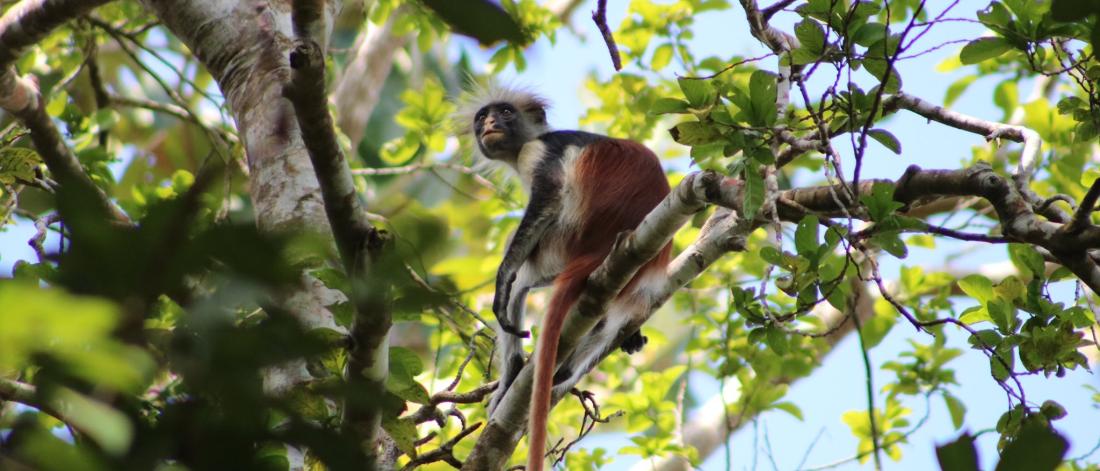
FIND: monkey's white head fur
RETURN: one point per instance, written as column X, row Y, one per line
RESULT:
column 481, row 93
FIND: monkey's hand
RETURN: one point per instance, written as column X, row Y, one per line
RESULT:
column 501, row 299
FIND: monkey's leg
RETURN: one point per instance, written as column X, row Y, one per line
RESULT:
column 510, row 347
column 594, row 345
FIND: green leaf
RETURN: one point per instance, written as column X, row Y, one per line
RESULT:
column 669, row 105
column 693, row 133
column 1052, row 410
column 762, row 93
column 18, row 164
column 982, row 49
column 1000, row 373
column 483, row 20
column 699, row 93
column 403, row 433
column 956, row 89
column 805, row 236
column 1068, row 11
column 869, row 33
column 995, row 15
column 1036, row 448
column 885, row 138
column 771, row 255
column 977, row 287
column 892, row 243
column 956, row 408
column 790, row 408
column 959, row 455
column 810, row 35
column 754, row 193
column 1026, row 258
column 875, row 61
column 662, row 56
column 880, row 203
column 777, row 340
column 404, row 366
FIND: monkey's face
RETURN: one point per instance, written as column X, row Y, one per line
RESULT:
column 502, row 129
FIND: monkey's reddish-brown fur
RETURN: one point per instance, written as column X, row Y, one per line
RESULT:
column 620, row 182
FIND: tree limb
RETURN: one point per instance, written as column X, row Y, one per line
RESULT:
column 358, row 242
column 357, row 90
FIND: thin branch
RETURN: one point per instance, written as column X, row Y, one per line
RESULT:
column 770, row 11
column 869, row 375
column 600, row 17
column 41, row 226
column 1083, row 215
column 1029, row 156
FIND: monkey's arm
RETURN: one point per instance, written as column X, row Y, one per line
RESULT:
column 541, row 212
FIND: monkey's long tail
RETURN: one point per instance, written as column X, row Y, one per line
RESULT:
column 567, row 288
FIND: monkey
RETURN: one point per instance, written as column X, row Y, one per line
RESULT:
column 584, row 189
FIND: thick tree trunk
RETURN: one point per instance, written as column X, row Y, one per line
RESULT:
column 245, row 46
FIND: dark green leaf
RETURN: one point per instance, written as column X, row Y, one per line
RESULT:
column 1036, row 448
column 483, row 20
column 762, row 92
column 1072, row 10
column 956, row 408
column 669, row 105
column 693, row 133
column 959, row 455
column 1052, row 410
column 777, row 340
column 699, row 93
column 811, row 35
column 805, row 236
column 983, row 49
column 754, row 193
column 885, row 138
column 869, row 33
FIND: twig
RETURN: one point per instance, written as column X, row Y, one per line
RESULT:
column 870, row 393
column 768, row 12
column 41, row 225
column 588, row 422
column 444, row 453
column 600, row 17
column 1083, row 215
column 427, row 166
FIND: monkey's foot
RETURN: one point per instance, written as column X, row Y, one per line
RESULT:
column 634, row 343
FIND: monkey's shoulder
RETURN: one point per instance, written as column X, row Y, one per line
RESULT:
column 556, row 142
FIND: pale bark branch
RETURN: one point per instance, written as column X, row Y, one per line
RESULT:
column 357, row 90
column 1029, row 156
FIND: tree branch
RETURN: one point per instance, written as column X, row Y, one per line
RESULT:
column 1029, row 156
column 358, row 242
column 600, row 18
column 357, row 90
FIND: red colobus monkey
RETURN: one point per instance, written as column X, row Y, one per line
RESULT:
column 584, row 190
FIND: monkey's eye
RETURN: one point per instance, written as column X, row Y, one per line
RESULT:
column 480, row 115
column 506, row 112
